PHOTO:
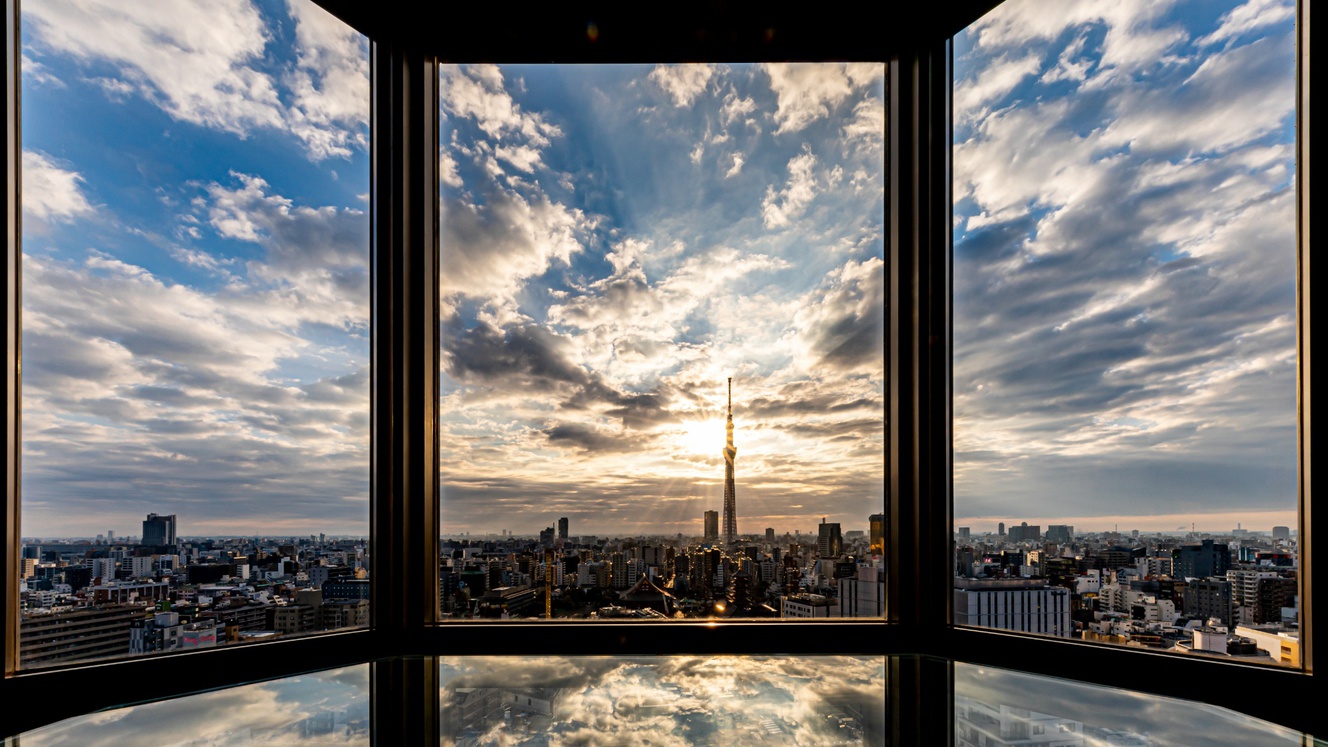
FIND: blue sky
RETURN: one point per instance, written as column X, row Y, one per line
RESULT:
column 617, row 241
column 1124, row 344
column 195, row 269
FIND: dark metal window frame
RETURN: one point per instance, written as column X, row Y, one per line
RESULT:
column 407, row 46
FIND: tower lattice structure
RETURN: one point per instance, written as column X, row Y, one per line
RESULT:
column 730, row 500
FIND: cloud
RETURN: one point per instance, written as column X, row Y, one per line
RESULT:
column 209, row 64
column 683, row 83
column 779, row 207
column 51, row 193
column 193, row 62
column 1124, row 271
column 842, row 324
column 477, row 92
column 318, row 256
column 490, row 248
column 330, row 85
column 1253, row 15
column 736, row 168
column 810, row 91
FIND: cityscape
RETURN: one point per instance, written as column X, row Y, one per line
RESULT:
column 156, row 591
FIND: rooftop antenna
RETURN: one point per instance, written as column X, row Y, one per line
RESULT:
column 730, row 398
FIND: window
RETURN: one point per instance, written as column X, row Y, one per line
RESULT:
column 632, row 256
column 195, row 319
column 404, row 519
column 1125, row 336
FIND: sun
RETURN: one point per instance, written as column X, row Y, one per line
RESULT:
column 700, row 437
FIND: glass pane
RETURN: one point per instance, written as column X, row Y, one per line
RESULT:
column 195, row 312
column 323, row 708
column 731, row 700
column 1125, row 463
column 997, row 706
column 662, row 341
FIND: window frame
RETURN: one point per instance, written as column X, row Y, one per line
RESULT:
column 406, row 47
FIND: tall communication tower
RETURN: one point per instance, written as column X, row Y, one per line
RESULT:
column 730, row 502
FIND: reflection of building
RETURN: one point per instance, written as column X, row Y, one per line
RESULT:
column 711, row 525
column 730, row 499
column 980, row 724
column 158, row 530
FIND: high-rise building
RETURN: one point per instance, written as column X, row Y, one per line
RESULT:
column 829, row 541
column 711, row 525
column 1202, row 560
column 159, row 530
column 730, row 500
column 1025, row 605
column 562, row 528
column 769, row 534
column 1281, row 533
column 876, row 524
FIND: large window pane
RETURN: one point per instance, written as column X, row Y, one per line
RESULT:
column 195, row 326
column 619, row 245
column 1125, row 325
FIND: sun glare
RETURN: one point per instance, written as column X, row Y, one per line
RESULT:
column 701, row 437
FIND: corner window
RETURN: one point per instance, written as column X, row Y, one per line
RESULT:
column 1125, row 366
column 195, row 315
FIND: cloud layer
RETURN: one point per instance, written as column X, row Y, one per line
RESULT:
column 1124, row 261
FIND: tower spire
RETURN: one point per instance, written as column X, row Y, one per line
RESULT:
column 730, row 498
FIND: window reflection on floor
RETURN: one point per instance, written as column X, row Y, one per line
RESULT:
column 323, row 708
column 997, row 706
column 674, row 700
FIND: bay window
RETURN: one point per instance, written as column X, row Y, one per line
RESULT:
column 917, row 637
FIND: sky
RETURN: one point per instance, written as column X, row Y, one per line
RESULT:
column 1124, row 267
column 616, row 242
column 195, row 269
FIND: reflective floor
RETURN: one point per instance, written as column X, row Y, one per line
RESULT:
column 674, row 700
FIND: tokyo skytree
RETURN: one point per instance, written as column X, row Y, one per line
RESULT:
column 730, row 503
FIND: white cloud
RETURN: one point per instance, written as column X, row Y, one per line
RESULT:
column 477, row 92
column 1250, row 16
column 204, row 63
column 807, row 92
column 193, row 61
column 779, row 207
column 683, row 83
column 996, row 79
column 736, row 168
column 51, row 193
column 330, row 85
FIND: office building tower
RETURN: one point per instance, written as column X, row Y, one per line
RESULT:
column 159, row 530
column 711, row 525
column 1202, row 560
column 769, row 534
column 1060, row 533
column 1024, row 605
column 829, row 542
column 1281, row 533
column 562, row 528
column 730, row 500
column 965, row 535
column 876, row 525
column 1000, row 528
